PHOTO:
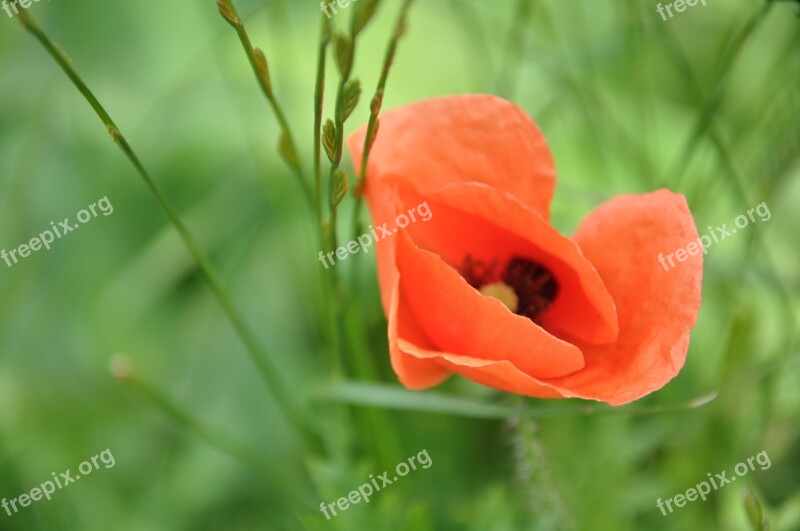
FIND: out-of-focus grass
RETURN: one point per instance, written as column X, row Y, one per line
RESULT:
column 622, row 97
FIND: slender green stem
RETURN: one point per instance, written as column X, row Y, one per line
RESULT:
column 338, row 150
column 387, row 440
column 319, row 95
column 336, row 287
column 259, row 66
column 375, row 106
column 339, row 119
column 328, row 278
column 533, row 471
column 258, row 355
column 332, row 238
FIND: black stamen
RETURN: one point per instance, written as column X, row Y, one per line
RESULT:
column 534, row 285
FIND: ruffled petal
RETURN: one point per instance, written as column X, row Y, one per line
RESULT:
column 657, row 308
column 479, row 138
column 502, row 375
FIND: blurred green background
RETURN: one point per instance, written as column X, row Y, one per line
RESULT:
column 706, row 104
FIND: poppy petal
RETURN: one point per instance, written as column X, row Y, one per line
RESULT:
column 501, row 374
column 479, row 138
column 657, row 308
column 412, row 371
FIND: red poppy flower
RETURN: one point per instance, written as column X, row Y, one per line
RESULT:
column 487, row 289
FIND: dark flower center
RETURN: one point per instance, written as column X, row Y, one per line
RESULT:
column 534, row 286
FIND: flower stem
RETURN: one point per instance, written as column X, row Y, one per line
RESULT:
column 375, row 107
column 258, row 63
column 534, row 471
column 329, row 284
column 319, row 94
column 338, row 148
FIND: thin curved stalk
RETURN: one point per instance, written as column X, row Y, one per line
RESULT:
column 375, row 106
column 258, row 62
column 260, row 358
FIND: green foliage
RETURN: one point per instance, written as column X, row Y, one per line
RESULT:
column 705, row 104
